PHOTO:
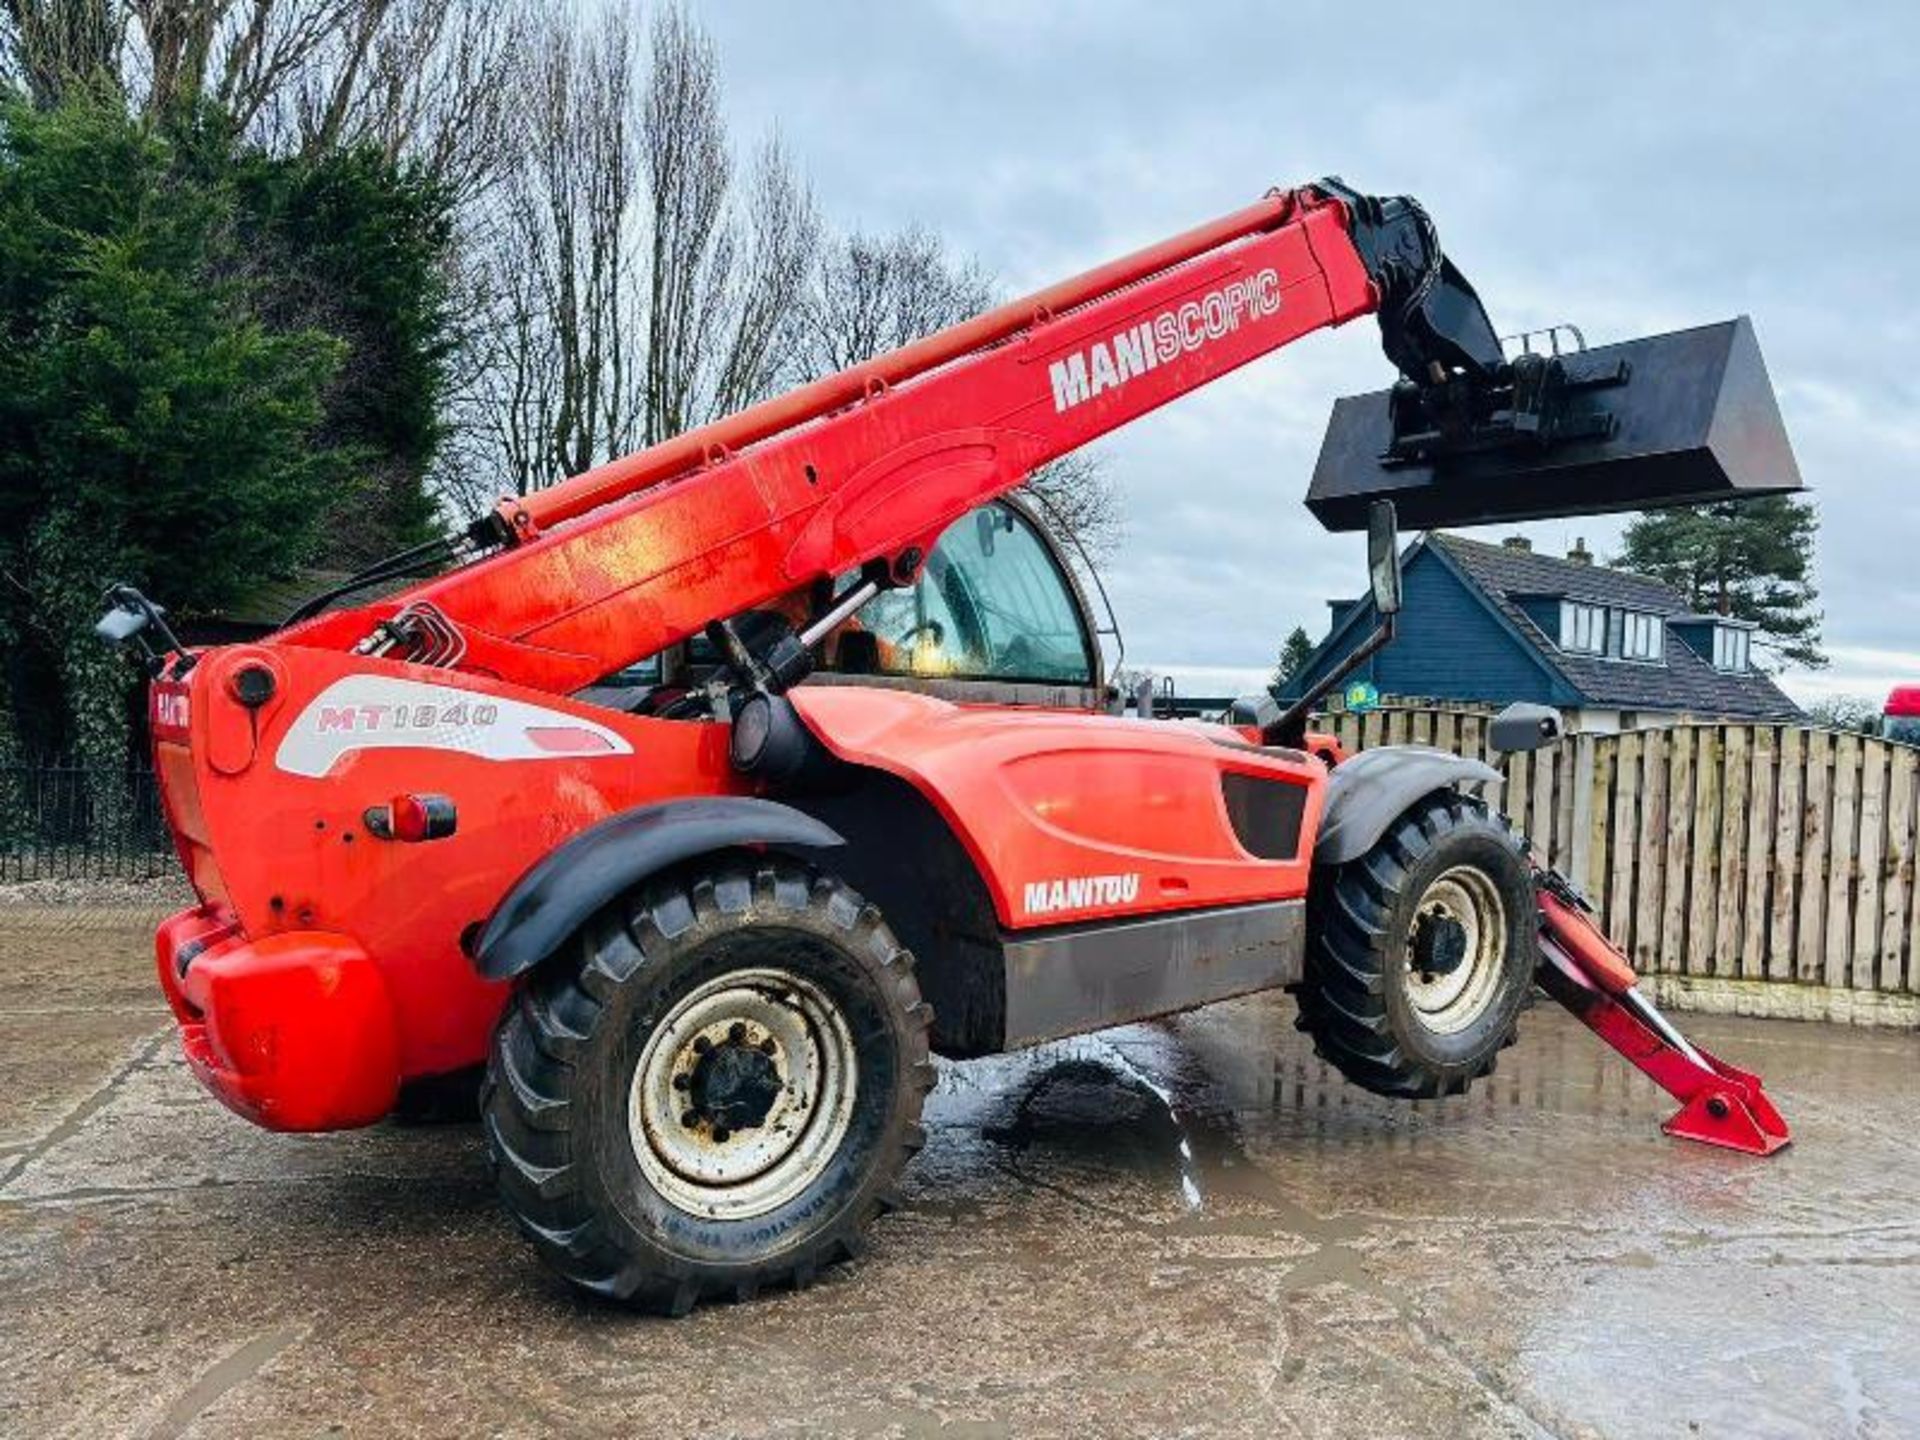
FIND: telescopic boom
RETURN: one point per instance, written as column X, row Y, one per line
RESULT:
column 861, row 471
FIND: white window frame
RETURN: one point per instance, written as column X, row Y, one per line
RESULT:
column 1643, row 636
column 1583, row 628
column 1732, row 649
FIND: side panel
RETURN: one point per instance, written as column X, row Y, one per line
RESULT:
column 1076, row 818
column 1067, row 982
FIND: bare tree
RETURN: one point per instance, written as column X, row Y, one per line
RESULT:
column 871, row 294
column 688, row 171
column 422, row 80
column 723, row 277
column 635, row 284
column 1077, row 500
column 49, row 46
column 553, row 388
column 754, row 293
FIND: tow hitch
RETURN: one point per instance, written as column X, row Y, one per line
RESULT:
column 1584, row 971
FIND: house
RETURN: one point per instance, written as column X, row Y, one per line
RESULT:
column 1490, row 624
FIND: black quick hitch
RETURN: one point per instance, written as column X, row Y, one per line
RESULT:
column 1537, row 401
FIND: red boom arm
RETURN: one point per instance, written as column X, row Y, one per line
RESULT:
column 873, row 463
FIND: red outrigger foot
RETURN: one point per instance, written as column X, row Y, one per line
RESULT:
column 1581, row 968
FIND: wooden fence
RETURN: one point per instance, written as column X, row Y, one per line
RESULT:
column 1754, row 852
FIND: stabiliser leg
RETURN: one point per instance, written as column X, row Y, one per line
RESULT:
column 1581, row 968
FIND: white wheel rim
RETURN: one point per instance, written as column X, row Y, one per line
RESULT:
column 734, row 1174
column 1467, row 896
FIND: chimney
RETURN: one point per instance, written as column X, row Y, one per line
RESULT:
column 1517, row 542
column 1579, row 554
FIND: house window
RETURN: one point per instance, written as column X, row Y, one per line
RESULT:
column 1730, row 648
column 1642, row 636
column 1583, row 628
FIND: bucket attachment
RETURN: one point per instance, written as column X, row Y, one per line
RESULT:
column 1679, row 419
column 1581, row 968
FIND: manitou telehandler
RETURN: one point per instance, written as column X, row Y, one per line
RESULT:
column 566, row 808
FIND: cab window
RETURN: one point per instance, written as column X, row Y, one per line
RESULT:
column 992, row 603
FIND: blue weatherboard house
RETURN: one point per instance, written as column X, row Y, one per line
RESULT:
column 1489, row 624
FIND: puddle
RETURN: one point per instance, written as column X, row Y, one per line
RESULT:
column 1097, row 1102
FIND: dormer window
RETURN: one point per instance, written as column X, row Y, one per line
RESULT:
column 1642, row 636
column 1583, row 628
column 1732, row 648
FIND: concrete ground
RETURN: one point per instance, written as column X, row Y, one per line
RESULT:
column 1181, row 1229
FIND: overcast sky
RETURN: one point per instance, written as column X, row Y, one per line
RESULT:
column 1631, row 168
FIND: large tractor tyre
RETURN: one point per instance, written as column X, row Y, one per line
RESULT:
column 1421, row 952
column 713, row 1089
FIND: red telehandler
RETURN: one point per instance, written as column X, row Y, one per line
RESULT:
column 705, row 931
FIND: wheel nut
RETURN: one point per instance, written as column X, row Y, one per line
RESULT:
column 690, row 1118
column 766, row 1046
column 681, row 1082
column 701, row 1044
column 737, row 1032
column 721, row 1134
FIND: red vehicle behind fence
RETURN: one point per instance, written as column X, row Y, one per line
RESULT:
column 1901, row 719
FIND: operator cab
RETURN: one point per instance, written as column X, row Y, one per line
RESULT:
column 996, row 616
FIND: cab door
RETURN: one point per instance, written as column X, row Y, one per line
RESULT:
column 996, row 617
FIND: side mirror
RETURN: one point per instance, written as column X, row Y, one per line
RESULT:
column 984, row 528
column 130, row 615
column 1523, row 727
column 121, row 623
column 1383, row 557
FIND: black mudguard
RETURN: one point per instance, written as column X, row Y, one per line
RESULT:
column 1373, row 789
column 556, row 896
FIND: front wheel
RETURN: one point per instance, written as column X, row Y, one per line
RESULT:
column 714, row 1091
column 1422, row 951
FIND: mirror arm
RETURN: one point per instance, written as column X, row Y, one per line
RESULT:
column 1290, row 729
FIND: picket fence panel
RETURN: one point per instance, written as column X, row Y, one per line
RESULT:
column 1754, row 852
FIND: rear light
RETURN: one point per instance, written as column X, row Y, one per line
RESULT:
column 412, row 818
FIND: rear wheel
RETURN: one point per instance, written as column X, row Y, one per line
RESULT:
column 1422, row 951
column 714, row 1091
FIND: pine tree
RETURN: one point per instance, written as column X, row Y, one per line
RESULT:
column 1746, row 559
column 152, row 428
column 1294, row 653
column 214, row 363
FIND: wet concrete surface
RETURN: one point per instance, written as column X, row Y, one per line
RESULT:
column 1179, row 1229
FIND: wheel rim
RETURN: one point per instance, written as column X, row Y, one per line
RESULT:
column 743, row 1093
column 1456, row 949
